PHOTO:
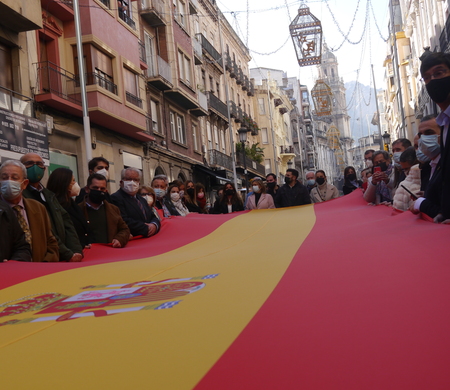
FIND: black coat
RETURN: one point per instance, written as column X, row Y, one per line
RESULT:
column 432, row 203
column 444, row 163
column 222, row 207
column 12, row 238
column 132, row 214
column 292, row 196
column 79, row 222
column 348, row 187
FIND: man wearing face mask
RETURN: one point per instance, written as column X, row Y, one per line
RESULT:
column 368, row 154
column 429, row 149
column 435, row 71
column 96, row 165
column 310, row 180
column 105, row 221
column 271, row 183
column 398, row 147
column 292, row 193
column 133, row 207
column 380, row 187
column 31, row 215
column 70, row 248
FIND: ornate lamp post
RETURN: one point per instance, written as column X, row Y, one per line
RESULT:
column 306, row 33
column 386, row 141
column 243, row 139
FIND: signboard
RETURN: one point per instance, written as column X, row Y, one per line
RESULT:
column 22, row 134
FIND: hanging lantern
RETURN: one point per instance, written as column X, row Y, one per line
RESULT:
column 306, row 33
column 322, row 95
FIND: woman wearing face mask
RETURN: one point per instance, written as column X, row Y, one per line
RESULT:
column 62, row 183
column 351, row 183
column 323, row 191
column 174, row 203
column 190, row 197
column 410, row 165
column 229, row 202
column 259, row 199
column 201, row 198
column 149, row 195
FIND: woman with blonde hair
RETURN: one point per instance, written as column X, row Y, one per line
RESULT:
column 259, row 199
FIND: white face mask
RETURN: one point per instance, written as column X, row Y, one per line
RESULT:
column 201, row 195
column 149, row 199
column 369, row 164
column 175, row 196
column 11, row 189
column 130, row 187
column 103, row 172
column 256, row 189
column 75, row 191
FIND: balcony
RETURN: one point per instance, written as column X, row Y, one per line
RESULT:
column 62, row 10
column 198, row 53
column 217, row 106
column 101, row 81
column 250, row 124
column 58, row 88
column 159, row 74
column 236, row 112
column 211, row 52
column 252, row 166
column 245, row 83
column 21, row 15
column 202, row 110
column 239, row 76
column 220, row 160
column 127, row 19
column 16, row 102
column 250, row 89
column 153, row 12
column 133, row 99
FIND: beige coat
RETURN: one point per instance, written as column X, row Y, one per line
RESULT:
column 265, row 202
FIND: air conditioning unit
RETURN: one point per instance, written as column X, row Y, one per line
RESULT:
column 49, row 120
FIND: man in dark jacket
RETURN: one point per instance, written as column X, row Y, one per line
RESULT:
column 293, row 193
column 134, row 208
column 13, row 245
column 69, row 245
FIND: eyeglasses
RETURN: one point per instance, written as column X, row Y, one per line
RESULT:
column 437, row 74
column 29, row 164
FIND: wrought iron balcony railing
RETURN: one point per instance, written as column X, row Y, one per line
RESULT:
column 218, row 159
column 127, row 19
column 217, row 104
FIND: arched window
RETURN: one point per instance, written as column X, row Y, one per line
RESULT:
column 159, row 171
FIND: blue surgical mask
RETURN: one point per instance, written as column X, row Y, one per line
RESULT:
column 160, row 193
column 311, row 182
column 11, row 189
column 396, row 158
column 429, row 145
column 421, row 157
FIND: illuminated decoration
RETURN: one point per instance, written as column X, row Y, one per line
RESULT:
column 306, row 33
column 322, row 95
column 334, row 143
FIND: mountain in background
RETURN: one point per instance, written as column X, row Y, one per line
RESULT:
column 360, row 113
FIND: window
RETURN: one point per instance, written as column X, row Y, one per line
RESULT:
column 262, row 109
column 154, row 114
column 6, row 78
column 264, row 136
column 204, row 80
column 216, row 138
column 211, row 84
column 150, row 52
column 208, row 131
column 99, row 69
column 177, row 127
column 185, row 67
column 267, row 165
column 218, row 89
column 222, row 141
column 195, row 137
column 132, row 87
column 179, row 12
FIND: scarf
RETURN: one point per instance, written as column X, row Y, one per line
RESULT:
column 181, row 208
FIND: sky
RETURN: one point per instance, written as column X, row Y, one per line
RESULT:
column 265, row 29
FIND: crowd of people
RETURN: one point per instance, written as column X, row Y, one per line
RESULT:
column 58, row 222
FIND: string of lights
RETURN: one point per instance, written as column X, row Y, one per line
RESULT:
column 376, row 24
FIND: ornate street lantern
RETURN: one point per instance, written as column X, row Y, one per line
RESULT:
column 322, row 95
column 334, row 143
column 306, row 33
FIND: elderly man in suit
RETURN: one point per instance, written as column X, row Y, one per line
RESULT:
column 32, row 216
column 133, row 207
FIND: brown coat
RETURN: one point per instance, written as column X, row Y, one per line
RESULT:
column 117, row 228
column 43, row 242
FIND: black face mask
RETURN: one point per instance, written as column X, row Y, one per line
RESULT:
column 383, row 166
column 229, row 191
column 97, row 196
column 351, row 176
column 190, row 192
column 287, row 180
column 320, row 180
column 439, row 89
column 272, row 184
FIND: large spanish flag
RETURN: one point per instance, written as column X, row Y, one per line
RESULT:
column 337, row 295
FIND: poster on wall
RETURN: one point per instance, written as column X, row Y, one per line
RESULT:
column 20, row 134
